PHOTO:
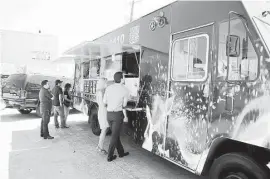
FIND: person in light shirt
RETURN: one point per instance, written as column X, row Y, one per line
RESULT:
column 115, row 99
column 102, row 113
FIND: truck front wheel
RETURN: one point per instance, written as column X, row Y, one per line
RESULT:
column 237, row 166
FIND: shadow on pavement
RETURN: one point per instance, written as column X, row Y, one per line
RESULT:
column 72, row 154
column 16, row 116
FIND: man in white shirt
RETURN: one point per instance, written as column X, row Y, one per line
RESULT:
column 115, row 98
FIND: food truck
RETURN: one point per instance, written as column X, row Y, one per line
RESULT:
column 199, row 76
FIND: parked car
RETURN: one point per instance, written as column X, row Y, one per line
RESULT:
column 21, row 91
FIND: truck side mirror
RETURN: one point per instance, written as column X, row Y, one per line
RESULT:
column 233, row 46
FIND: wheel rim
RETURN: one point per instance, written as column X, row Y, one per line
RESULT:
column 236, row 176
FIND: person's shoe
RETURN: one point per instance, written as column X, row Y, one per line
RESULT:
column 124, row 154
column 104, row 152
column 98, row 149
column 65, row 127
column 56, row 127
column 111, row 158
column 41, row 135
column 49, row 137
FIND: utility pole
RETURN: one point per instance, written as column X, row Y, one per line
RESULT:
column 131, row 12
column 132, row 9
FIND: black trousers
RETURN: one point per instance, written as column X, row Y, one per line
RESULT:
column 115, row 120
column 44, row 130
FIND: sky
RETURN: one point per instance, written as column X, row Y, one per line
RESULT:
column 72, row 21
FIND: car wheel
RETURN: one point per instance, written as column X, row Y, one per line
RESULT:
column 237, row 166
column 24, row 111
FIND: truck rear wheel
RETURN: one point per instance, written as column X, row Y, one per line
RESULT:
column 25, row 111
column 93, row 120
column 237, row 166
column 95, row 124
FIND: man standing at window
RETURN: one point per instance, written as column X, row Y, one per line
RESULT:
column 58, row 104
column 115, row 98
column 45, row 98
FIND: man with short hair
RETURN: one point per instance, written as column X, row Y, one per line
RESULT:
column 115, row 98
column 58, row 104
column 45, row 98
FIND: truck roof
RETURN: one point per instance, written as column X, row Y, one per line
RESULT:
column 135, row 20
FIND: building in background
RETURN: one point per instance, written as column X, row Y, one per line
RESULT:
column 22, row 52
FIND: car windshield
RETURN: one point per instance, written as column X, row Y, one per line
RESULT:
column 264, row 29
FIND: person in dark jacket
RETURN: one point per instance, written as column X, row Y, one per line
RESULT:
column 45, row 98
column 58, row 104
column 67, row 101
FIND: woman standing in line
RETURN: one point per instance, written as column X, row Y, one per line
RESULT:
column 102, row 113
column 67, row 101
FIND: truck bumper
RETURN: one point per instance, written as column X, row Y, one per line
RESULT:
column 20, row 103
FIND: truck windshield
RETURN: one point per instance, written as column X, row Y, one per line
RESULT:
column 264, row 29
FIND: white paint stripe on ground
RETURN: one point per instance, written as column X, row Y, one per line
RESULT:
column 21, row 150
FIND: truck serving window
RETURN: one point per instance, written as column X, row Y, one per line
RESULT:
column 190, row 58
column 243, row 66
column 112, row 65
column 94, row 69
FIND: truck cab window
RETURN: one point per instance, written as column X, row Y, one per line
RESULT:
column 244, row 66
column 190, row 58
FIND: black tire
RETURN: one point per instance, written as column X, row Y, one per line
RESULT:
column 93, row 121
column 238, row 166
column 95, row 124
column 25, row 111
column 109, row 132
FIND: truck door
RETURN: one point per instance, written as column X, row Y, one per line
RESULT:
column 188, row 95
column 236, row 82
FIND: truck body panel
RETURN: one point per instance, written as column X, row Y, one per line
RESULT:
column 193, row 86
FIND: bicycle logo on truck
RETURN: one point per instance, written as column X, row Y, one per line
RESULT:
column 159, row 21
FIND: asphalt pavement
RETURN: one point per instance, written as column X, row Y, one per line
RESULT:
column 72, row 154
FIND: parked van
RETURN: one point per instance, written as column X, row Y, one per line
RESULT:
column 199, row 77
column 21, row 91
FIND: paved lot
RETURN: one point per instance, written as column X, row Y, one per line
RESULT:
column 72, row 154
